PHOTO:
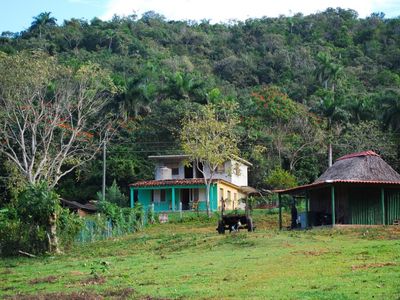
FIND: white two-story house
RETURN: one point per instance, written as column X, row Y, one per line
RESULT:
column 179, row 184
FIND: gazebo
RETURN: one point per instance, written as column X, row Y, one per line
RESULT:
column 358, row 189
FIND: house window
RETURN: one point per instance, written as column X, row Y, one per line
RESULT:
column 162, row 196
column 229, row 195
column 221, row 193
column 199, row 170
column 236, row 169
column 174, row 168
column 188, row 171
column 221, row 168
column 196, row 195
column 155, row 196
column 234, row 197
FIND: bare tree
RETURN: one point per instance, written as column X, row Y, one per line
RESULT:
column 50, row 118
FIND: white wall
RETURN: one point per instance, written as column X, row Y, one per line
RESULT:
column 241, row 178
column 158, row 172
column 229, row 174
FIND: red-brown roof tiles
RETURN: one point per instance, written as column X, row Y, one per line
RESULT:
column 191, row 181
column 316, row 184
column 364, row 153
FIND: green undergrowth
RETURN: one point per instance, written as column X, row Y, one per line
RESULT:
column 191, row 261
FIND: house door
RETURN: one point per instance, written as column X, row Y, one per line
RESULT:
column 185, row 197
column 189, row 171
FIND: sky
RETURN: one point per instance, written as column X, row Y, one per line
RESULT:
column 17, row 15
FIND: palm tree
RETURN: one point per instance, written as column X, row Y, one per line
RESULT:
column 328, row 72
column 390, row 100
column 41, row 21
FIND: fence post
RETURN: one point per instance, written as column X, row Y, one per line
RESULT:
column 180, row 209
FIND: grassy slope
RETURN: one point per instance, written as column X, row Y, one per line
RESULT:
column 192, row 261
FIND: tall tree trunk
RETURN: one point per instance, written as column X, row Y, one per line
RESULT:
column 208, row 185
column 330, row 154
column 52, row 234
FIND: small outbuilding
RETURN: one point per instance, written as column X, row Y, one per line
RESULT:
column 359, row 188
column 79, row 208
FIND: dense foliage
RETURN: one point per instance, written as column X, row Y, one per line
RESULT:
column 300, row 83
column 36, row 222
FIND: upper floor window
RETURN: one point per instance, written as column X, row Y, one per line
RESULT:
column 236, row 169
column 221, row 168
column 174, row 168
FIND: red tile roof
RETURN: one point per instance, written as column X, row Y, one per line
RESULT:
column 328, row 182
column 364, row 153
column 191, row 181
column 187, row 181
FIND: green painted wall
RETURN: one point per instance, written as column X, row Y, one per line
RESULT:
column 366, row 207
column 358, row 205
column 366, row 211
column 144, row 197
column 392, row 207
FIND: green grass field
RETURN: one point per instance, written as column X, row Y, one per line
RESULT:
column 191, row 261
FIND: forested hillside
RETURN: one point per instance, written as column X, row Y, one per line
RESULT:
column 299, row 84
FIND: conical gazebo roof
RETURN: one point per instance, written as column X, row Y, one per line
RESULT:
column 362, row 166
column 357, row 168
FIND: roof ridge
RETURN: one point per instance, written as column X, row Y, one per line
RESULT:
column 358, row 154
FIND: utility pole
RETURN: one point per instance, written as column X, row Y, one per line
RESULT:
column 104, row 171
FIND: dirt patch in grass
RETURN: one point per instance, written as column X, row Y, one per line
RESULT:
column 48, row 279
column 7, row 271
column 315, row 252
column 124, row 293
column 93, row 280
column 76, row 273
column 153, row 298
column 374, row 265
column 311, row 253
column 59, row 296
column 120, row 293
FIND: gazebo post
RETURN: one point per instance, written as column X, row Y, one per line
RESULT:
column 280, row 211
column 333, row 204
column 383, row 206
column 307, row 208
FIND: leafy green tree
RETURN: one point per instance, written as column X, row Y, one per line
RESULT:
column 209, row 140
column 39, row 206
column 389, row 100
column 281, row 179
column 368, row 135
column 114, row 195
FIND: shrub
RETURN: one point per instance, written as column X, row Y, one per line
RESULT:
column 281, row 179
column 69, row 225
column 114, row 195
column 119, row 220
column 35, row 222
column 10, row 232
